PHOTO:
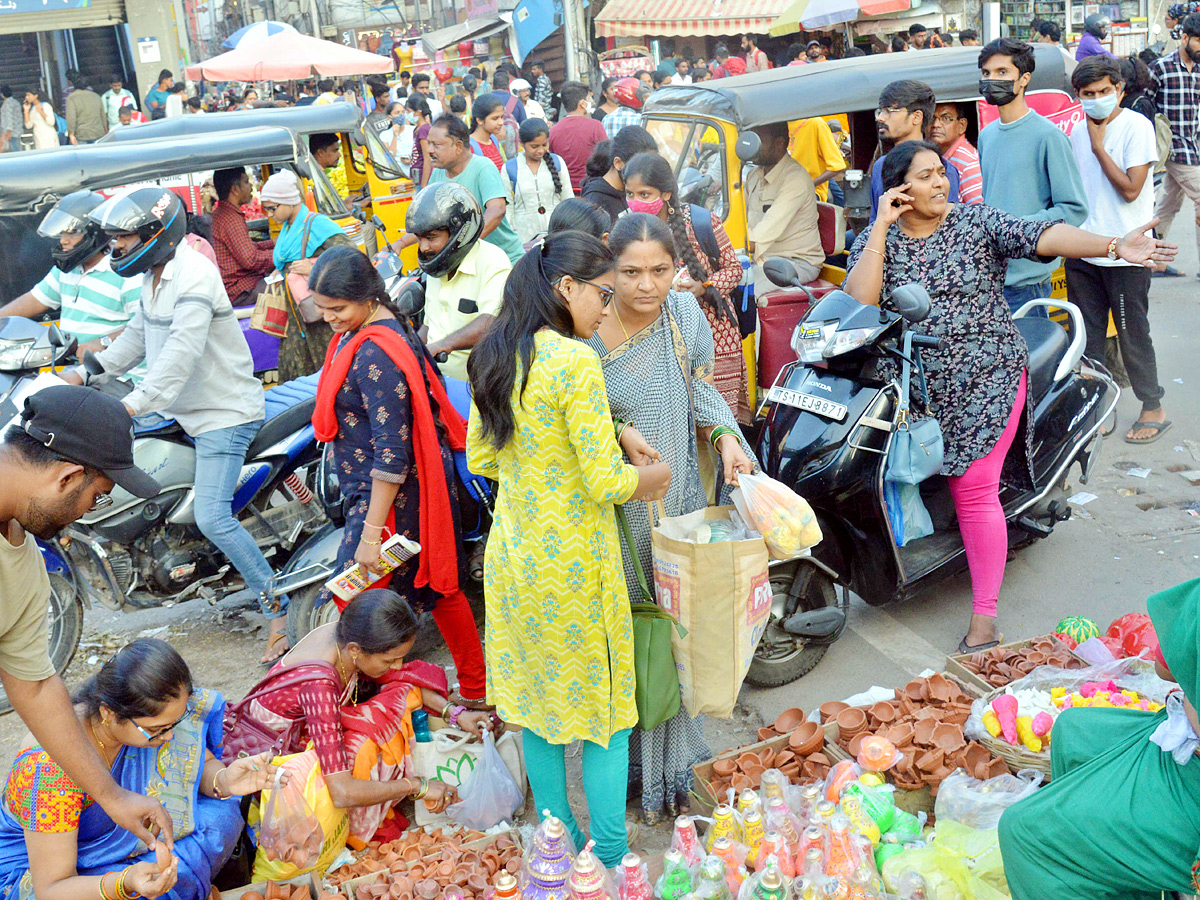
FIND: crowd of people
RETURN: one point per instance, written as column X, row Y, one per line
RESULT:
column 590, row 309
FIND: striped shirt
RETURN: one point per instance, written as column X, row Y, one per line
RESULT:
column 965, row 158
column 92, row 303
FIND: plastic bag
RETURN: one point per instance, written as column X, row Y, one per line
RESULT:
column 780, row 515
column 301, row 830
column 979, row 804
column 489, row 795
column 961, row 863
column 906, row 511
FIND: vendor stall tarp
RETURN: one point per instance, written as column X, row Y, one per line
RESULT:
column 687, row 18
column 475, row 30
column 817, row 14
column 286, row 56
column 928, row 14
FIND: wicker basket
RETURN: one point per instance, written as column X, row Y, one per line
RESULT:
column 1017, row 757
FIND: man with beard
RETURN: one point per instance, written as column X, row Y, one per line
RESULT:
column 72, row 447
column 905, row 113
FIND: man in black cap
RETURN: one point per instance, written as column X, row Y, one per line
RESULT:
column 72, row 446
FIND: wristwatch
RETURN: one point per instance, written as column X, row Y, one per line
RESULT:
column 106, row 341
column 1112, row 247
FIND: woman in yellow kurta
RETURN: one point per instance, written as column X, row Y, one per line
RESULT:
column 559, row 635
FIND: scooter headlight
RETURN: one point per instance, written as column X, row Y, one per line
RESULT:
column 845, row 341
column 809, row 340
column 18, row 355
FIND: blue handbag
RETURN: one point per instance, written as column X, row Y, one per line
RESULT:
column 917, row 449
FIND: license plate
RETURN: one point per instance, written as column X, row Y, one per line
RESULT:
column 808, row 403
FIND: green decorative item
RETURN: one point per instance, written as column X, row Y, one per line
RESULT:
column 712, row 884
column 1077, row 628
column 675, row 881
column 905, row 829
column 884, row 852
column 879, row 805
column 454, row 771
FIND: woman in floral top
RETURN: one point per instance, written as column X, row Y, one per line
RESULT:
column 977, row 379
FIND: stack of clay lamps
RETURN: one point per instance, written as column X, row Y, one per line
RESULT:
column 1002, row 665
column 925, row 722
column 801, row 760
column 277, row 891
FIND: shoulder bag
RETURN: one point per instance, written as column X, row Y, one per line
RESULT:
column 917, row 448
column 244, row 735
column 656, row 690
column 270, row 314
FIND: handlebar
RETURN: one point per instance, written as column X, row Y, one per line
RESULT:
column 924, row 340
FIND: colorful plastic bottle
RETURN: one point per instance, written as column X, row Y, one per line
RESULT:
column 748, row 800
column 711, row 884
column 865, row 885
column 781, row 819
column 725, row 824
column 735, row 873
column 635, row 884
column 774, row 848
column 769, row 884
column 588, row 879
column 676, row 879
column 754, row 831
column 549, row 864
column 810, row 795
column 507, row 887
column 686, row 841
column 859, row 820
column 420, row 723
column 844, row 853
column 813, row 865
column 825, row 810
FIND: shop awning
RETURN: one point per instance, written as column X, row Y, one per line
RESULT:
column 928, row 14
column 475, row 30
column 687, row 18
column 816, row 14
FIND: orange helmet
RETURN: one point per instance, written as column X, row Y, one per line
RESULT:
column 628, row 94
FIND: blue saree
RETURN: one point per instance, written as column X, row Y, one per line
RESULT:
column 206, row 829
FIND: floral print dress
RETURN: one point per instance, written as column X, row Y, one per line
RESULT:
column 973, row 379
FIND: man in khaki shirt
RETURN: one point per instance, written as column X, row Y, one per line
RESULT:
column 73, row 446
column 781, row 210
column 86, row 119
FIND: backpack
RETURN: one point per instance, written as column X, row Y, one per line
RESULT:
column 511, row 129
column 510, row 169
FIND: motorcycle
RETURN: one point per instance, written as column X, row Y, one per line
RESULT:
column 302, row 578
column 827, row 432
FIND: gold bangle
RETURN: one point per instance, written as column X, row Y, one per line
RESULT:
column 216, row 788
column 363, row 540
column 123, row 894
column 104, row 895
column 424, row 789
column 445, row 709
column 873, row 250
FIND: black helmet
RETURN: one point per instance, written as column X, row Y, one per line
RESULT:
column 1097, row 24
column 445, row 207
column 71, row 214
column 156, row 215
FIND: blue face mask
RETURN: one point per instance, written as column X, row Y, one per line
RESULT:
column 1099, row 108
column 413, row 118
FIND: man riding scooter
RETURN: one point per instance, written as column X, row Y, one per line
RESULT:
column 95, row 303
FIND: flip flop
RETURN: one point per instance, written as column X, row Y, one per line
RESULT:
column 271, row 642
column 1168, row 272
column 964, row 647
column 1160, row 428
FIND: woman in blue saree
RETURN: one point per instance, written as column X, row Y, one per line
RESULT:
column 159, row 737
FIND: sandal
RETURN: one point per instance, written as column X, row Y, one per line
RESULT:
column 272, row 640
column 475, row 561
column 1160, row 428
column 964, row 647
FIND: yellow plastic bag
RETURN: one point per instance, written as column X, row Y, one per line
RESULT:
column 303, row 807
column 779, row 514
column 961, row 863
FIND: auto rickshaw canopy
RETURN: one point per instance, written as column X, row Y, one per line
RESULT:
column 844, row 85
column 303, row 120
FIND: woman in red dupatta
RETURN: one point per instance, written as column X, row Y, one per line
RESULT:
column 350, row 686
column 384, row 410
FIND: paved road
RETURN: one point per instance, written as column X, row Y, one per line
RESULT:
column 1102, row 563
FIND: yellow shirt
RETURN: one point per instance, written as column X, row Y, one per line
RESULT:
column 453, row 302
column 813, row 145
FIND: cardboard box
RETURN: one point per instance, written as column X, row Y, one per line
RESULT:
column 955, row 667
column 308, row 880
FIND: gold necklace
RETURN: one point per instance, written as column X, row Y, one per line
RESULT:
column 619, row 322
column 345, row 679
column 371, row 317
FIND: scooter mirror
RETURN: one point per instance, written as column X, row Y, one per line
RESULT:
column 747, row 147
column 54, row 336
column 911, row 301
column 378, row 223
column 782, row 272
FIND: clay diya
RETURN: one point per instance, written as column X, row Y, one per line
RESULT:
column 883, row 712
column 923, row 731
column 724, row 767
column 788, row 720
column 851, row 720
column 948, row 738
column 831, row 709
column 765, row 734
column 807, row 738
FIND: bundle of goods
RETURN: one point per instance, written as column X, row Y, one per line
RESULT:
column 1129, row 636
column 925, row 724
column 397, row 856
column 1000, row 665
column 1016, row 722
column 799, row 757
column 784, row 518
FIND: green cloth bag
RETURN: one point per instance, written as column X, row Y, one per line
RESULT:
column 656, row 688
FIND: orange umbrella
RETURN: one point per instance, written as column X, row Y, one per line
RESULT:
column 289, row 55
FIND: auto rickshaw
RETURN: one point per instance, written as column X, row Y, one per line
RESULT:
column 705, row 128
column 377, row 185
column 31, row 183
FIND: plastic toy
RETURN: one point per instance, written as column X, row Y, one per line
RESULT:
column 635, row 880
column 1077, row 628
column 840, row 776
column 723, row 849
column 1025, row 734
column 876, row 754
column 774, row 851
column 991, row 722
column 676, row 879
column 1005, row 707
column 754, row 831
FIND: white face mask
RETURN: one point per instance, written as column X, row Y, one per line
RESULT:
column 1099, row 107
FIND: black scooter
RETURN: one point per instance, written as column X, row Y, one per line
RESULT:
column 829, row 424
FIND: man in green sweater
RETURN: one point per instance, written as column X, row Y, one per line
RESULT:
column 1028, row 166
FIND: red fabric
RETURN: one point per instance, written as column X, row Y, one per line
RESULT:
column 492, row 152
column 437, row 563
column 456, row 622
column 573, row 138
column 241, row 259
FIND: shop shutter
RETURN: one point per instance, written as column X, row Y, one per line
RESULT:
column 96, row 14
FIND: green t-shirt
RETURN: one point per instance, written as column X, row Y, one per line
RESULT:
column 482, row 178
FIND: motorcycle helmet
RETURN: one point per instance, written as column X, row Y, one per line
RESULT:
column 445, row 207
column 156, row 215
column 1097, row 24
column 1177, row 11
column 631, row 92
column 71, row 214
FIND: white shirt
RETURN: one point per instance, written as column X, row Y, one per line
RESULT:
column 533, row 192
column 174, row 105
column 1129, row 140
column 535, row 110
column 681, row 79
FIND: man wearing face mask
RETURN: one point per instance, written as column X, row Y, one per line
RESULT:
column 1027, row 163
column 1115, row 152
column 905, row 113
column 1095, row 30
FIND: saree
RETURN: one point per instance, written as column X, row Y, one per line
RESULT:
column 375, row 733
column 303, row 347
column 206, row 829
column 1121, row 818
column 657, row 381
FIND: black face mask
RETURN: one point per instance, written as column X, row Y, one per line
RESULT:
column 997, row 92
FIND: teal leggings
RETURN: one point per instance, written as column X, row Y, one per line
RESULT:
column 605, row 783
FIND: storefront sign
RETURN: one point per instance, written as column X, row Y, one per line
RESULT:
column 32, row 6
column 1059, row 108
column 476, row 8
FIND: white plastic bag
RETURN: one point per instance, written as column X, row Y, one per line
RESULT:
column 779, row 514
column 906, row 511
column 979, row 804
column 489, row 796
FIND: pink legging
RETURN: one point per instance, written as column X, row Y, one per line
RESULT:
column 976, row 494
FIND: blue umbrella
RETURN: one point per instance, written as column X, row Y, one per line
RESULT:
column 255, row 32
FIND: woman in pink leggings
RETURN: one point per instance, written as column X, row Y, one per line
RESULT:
column 977, row 391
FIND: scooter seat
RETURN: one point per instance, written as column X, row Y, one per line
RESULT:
column 289, row 408
column 1048, row 342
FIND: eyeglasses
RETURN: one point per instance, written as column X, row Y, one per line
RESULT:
column 884, row 111
column 100, row 501
column 606, row 294
column 160, row 732
column 946, row 120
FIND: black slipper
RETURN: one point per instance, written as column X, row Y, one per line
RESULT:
column 964, row 647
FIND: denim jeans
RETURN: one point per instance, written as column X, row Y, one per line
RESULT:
column 219, row 458
column 1019, row 296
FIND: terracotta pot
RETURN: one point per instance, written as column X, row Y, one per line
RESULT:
column 412, row 854
column 746, row 759
column 831, row 709
column 856, row 745
column 753, row 771
column 477, row 883
column 767, row 757
column 416, row 872
column 740, row 783
column 427, row 889
column 930, row 760
column 900, row 734
column 405, row 883
column 851, row 719
column 788, row 719
column 765, row 734
column 807, row 738
column 724, row 767
column 996, row 767
column 820, row 759
column 783, row 757
column 884, row 712
column 948, row 738
column 513, row 866
column 792, row 770
column 957, row 717
column 923, row 731
column 940, row 688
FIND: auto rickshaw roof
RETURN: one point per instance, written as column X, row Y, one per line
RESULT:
column 27, row 179
column 304, row 120
column 844, row 85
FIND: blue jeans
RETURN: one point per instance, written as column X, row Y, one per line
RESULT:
column 14, row 143
column 219, row 458
column 1022, row 294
